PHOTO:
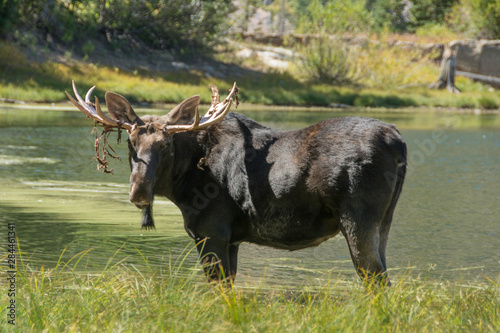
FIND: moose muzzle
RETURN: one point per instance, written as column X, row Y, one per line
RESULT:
column 141, row 190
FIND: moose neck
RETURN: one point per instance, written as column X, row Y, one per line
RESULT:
column 183, row 168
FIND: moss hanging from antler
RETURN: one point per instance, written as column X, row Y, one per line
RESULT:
column 215, row 114
column 103, row 151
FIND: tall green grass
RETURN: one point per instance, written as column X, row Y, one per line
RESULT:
column 123, row 297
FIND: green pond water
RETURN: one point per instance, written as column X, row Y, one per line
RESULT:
column 446, row 225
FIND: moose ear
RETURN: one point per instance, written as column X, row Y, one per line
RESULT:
column 184, row 112
column 120, row 108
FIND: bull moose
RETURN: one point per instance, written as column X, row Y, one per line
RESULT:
column 236, row 181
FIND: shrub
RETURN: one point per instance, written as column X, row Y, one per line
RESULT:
column 326, row 60
column 88, row 48
column 388, row 14
column 487, row 102
column 158, row 24
column 477, row 18
column 334, row 17
column 329, row 59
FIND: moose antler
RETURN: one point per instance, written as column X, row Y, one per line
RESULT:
column 215, row 113
column 95, row 113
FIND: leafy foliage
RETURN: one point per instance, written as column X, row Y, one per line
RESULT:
column 477, row 18
column 406, row 16
column 430, row 11
column 326, row 60
column 334, row 17
column 474, row 18
column 390, row 14
column 158, row 24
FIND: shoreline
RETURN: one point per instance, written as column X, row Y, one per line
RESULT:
column 158, row 107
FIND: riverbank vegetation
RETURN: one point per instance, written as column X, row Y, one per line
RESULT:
column 46, row 83
column 128, row 298
column 164, row 51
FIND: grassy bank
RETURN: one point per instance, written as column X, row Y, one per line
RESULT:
column 125, row 298
column 46, row 83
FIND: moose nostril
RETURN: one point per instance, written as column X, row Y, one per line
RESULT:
column 141, row 193
column 139, row 201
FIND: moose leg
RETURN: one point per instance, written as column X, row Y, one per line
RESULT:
column 233, row 260
column 384, row 235
column 365, row 242
column 387, row 219
column 214, row 257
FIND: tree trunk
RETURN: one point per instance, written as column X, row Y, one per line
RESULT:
column 446, row 78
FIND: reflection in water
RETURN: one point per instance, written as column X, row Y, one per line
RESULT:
column 446, row 223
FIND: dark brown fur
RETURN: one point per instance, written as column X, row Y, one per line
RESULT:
column 284, row 189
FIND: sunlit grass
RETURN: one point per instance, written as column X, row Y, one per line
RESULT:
column 387, row 78
column 130, row 298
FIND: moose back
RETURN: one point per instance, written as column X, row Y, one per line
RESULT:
column 236, row 181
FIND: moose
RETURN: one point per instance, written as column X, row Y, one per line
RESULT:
column 235, row 180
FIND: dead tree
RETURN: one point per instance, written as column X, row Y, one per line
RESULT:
column 446, row 78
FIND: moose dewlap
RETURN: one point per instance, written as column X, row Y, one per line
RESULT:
column 236, row 181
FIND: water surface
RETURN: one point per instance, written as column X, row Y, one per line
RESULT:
column 446, row 224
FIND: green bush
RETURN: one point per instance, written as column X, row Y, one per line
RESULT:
column 326, row 60
column 388, row 14
column 429, row 12
column 88, row 48
column 477, row 18
column 158, row 24
column 487, row 102
column 407, row 16
column 332, row 17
